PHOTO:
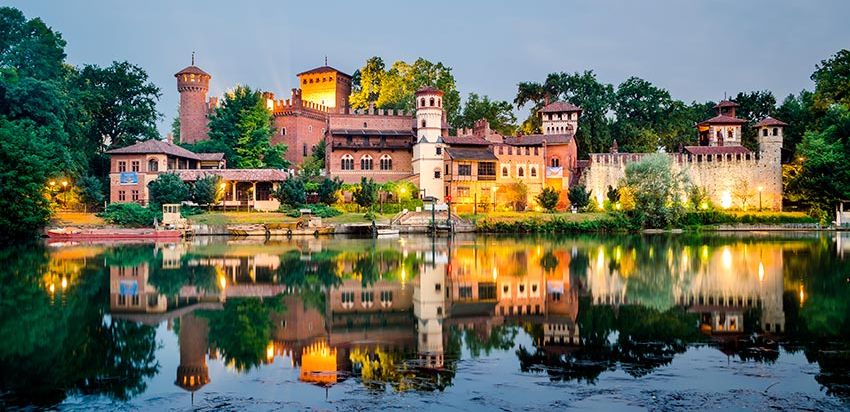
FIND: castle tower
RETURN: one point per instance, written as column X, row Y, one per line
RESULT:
column 429, row 308
column 723, row 129
column 559, row 118
column 325, row 86
column 428, row 150
column 192, row 373
column 193, row 85
column 770, row 135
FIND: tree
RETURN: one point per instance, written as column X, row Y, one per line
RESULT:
column 315, row 164
column 291, row 192
column 168, row 188
column 24, row 167
column 743, row 192
column 579, row 197
column 656, row 190
column 515, row 195
column 205, row 191
column 548, row 198
column 366, row 194
column 754, row 106
column 641, row 110
column 832, row 81
column 613, row 194
column 242, row 124
column 30, row 47
column 498, row 113
column 366, row 83
column 91, row 191
column 328, row 190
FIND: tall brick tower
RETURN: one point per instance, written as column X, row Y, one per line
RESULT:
column 325, row 86
column 193, row 85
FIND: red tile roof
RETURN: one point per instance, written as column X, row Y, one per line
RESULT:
column 769, row 122
column 457, row 153
column 324, row 69
column 155, row 147
column 429, row 90
column 723, row 119
column 703, row 150
column 558, row 107
column 239, row 175
column 191, row 70
column 538, row 139
column 210, row 156
column 726, row 103
column 465, row 141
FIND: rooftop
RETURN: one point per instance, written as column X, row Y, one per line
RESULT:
column 191, row 70
column 457, row 153
column 241, row 175
column 465, row 141
column 770, row 122
column 726, row 103
column 558, row 107
column 210, row 156
column 371, row 132
column 538, row 139
column 429, row 89
column 324, row 69
column 723, row 119
column 155, row 147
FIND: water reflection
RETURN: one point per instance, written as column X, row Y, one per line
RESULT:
column 401, row 313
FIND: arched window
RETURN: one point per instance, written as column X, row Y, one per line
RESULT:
column 521, row 172
column 504, row 171
column 432, row 102
column 764, row 132
column 730, row 133
column 776, row 131
column 555, row 162
column 423, row 122
column 719, row 134
column 364, row 125
column 366, row 162
column 440, row 102
column 347, row 162
column 533, row 172
column 422, row 102
column 386, row 162
column 153, row 165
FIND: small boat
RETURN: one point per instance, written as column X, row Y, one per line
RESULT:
column 75, row 233
column 385, row 233
column 247, row 230
column 298, row 229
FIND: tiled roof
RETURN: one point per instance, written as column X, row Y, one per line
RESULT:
column 457, row 153
column 240, row 175
column 726, row 103
column 324, row 69
column 191, row 70
column 371, row 132
column 155, row 147
column 723, row 119
column 769, row 121
column 538, row 139
column 558, row 107
column 211, row 156
column 465, row 141
column 430, row 90
column 703, row 150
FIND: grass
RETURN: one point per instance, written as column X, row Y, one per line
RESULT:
column 248, row 218
column 76, row 219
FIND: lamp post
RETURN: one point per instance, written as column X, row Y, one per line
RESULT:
column 760, row 189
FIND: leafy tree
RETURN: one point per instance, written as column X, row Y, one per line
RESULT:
column 328, row 190
column 30, row 47
column 797, row 111
column 242, row 124
column 754, row 106
column 613, row 194
column 315, row 164
column 91, row 191
column 548, row 198
column 656, row 190
column 579, row 197
column 366, row 83
column 205, row 191
column 166, row 189
column 366, row 194
column 291, row 192
column 832, row 80
column 498, row 113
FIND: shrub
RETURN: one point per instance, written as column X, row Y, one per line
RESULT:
column 166, row 189
column 291, row 192
column 548, row 198
column 656, row 189
column 91, row 191
column 329, row 190
column 579, row 197
column 129, row 214
column 367, row 194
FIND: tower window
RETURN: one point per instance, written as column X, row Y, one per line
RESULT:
column 764, row 132
column 504, row 171
column 440, row 102
column 386, row 162
column 436, row 173
column 283, row 131
column 521, row 172
column 730, row 133
column 422, row 102
column 432, row 102
column 555, row 162
column 347, row 162
column 423, row 123
column 776, row 131
column 304, row 149
column 439, row 150
column 533, row 172
column 366, row 162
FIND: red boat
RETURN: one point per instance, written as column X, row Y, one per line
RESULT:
column 73, row 233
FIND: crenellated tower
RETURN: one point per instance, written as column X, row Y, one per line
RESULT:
column 770, row 137
column 193, row 84
column 428, row 150
column 559, row 118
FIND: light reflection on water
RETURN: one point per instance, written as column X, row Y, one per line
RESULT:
column 462, row 323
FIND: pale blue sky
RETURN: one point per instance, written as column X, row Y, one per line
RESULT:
column 696, row 49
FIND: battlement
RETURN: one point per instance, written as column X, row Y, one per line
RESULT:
column 347, row 111
column 679, row 158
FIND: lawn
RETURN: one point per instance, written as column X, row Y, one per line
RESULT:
column 76, row 219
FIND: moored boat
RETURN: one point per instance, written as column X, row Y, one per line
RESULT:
column 74, row 233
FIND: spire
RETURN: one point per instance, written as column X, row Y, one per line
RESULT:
column 193, row 58
column 326, row 60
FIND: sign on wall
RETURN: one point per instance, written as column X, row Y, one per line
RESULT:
column 129, row 178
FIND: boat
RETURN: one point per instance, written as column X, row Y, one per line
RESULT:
column 75, row 233
column 247, row 230
column 298, row 229
column 385, row 233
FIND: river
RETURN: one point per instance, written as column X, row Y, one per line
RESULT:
column 654, row 322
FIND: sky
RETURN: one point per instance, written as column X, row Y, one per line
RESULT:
column 698, row 50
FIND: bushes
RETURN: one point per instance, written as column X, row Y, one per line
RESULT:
column 579, row 197
column 318, row 210
column 129, row 214
column 615, row 222
column 548, row 198
column 166, row 189
column 291, row 193
column 716, row 217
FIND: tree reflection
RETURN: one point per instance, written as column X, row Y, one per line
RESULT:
column 242, row 330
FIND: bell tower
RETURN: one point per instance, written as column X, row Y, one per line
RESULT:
column 193, row 85
column 428, row 149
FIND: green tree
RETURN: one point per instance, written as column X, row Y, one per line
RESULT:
column 754, row 106
column 315, row 164
column 205, row 191
column 329, row 189
column 548, row 198
column 657, row 190
column 366, row 83
column 613, row 194
column 242, row 124
column 30, row 47
column 91, row 191
column 832, row 81
column 366, row 194
column 292, row 192
column 579, row 197
column 641, row 110
column 498, row 113
column 798, row 112
column 166, row 189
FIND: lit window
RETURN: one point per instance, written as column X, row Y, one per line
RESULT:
column 533, row 172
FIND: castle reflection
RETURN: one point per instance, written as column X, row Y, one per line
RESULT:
column 397, row 312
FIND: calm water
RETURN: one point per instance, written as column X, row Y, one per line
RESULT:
column 752, row 321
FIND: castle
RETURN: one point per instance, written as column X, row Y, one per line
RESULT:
column 476, row 168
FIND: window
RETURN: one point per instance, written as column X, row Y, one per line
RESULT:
column 153, row 165
column 437, row 287
column 504, row 171
column 347, row 162
column 386, row 296
column 527, row 150
column 487, row 169
column 465, row 292
column 283, row 131
column 135, row 165
column 464, row 170
column 366, row 297
column 436, row 173
column 432, row 102
column 510, row 150
column 776, row 131
column 521, row 172
column 535, row 150
column 462, row 192
column 134, row 195
column 386, row 162
column 764, row 132
column 347, row 297
column 264, row 190
column 730, row 134
column 422, row 102
column 486, row 290
column 439, row 150
column 533, row 172
column 440, row 102
column 304, row 149
column 122, row 166
column 555, row 162
column 423, row 123
column 122, row 196
column 366, row 162
column 501, row 149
